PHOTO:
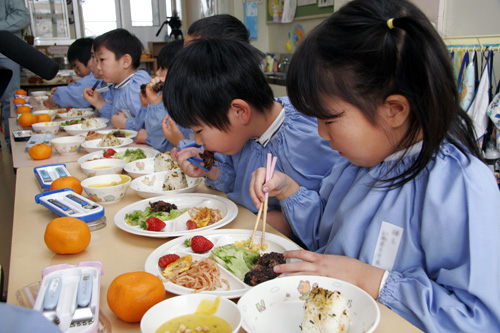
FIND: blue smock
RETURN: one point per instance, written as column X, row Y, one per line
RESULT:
column 14, row 318
column 126, row 99
column 296, row 144
column 154, row 117
column 72, row 94
column 445, row 273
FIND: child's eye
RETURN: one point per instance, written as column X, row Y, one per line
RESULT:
column 198, row 131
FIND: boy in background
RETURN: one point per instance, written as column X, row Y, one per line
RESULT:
column 79, row 56
column 118, row 55
column 155, row 110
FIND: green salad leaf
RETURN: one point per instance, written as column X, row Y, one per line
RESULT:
column 131, row 155
column 139, row 217
column 235, row 259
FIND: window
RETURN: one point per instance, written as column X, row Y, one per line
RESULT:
column 144, row 13
column 99, row 16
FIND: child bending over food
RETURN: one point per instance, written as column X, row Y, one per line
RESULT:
column 410, row 213
column 227, row 102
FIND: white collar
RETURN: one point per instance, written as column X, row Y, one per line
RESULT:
column 412, row 150
column 124, row 82
column 268, row 135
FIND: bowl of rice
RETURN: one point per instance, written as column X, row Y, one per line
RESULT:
column 161, row 162
column 164, row 183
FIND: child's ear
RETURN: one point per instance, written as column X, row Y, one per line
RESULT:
column 395, row 110
column 126, row 61
column 240, row 110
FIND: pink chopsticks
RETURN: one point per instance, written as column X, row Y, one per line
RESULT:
column 271, row 164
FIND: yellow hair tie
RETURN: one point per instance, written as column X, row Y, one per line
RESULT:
column 390, row 23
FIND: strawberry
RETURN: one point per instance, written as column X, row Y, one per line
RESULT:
column 190, row 224
column 155, row 224
column 108, row 153
column 199, row 244
column 167, row 259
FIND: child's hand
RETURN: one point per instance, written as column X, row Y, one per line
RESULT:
column 141, row 136
column 154, row 97
column 119, row 120
column 49, row 103
column 69, row 80
column 53, row 90
column 344, row 268
column 280, row 186
column 171, row 131
column 181, row 157
column 144, row 99
column 94, row 97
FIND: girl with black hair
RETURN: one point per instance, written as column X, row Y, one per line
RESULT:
column 410, row 214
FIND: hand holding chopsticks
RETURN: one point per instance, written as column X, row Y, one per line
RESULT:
column 271, row 164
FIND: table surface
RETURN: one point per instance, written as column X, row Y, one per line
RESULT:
column 120, row 252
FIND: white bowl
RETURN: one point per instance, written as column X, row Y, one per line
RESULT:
column 106, row 194
column 149, row 186
column 40, row 93
column 92, row 145
column 103, row 167
column 85, row 113
column 77, row 129
column 67, row 145
column 51, row 127
column 51, row 113
column 140, row 167
column 283, row 299
column 187, row 304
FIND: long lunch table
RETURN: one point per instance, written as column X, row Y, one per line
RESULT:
column 119, row 251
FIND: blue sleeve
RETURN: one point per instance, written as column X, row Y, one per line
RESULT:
column 18, row 319
column 154, row 117
column 456, row 289
column 106, row 111
column 305, row 205
column 17, row 16
column 225, row 181
column 72, row 94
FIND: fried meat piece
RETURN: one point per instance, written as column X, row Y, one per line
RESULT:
column 263, row 270
column 161, row 206
column 208, row 159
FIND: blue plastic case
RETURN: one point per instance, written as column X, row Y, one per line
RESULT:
column 46, row 174
column 65, row 202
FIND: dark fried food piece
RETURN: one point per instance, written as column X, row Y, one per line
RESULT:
column 271, row 259
column 161, row 206
column 208, row 159
column 259, row 274
column 263, row 270
column 157, row 87
column 119, row 134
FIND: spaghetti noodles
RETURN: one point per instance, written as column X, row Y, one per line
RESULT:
column 203, row 275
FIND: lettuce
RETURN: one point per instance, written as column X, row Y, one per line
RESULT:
column 139, row 217
column 235, row 259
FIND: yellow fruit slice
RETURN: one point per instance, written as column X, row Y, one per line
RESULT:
column 203, row 217
column 180, row 265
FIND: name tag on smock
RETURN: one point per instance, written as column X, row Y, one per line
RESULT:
column 387, row 246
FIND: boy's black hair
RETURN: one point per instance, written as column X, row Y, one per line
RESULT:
column 355, row 56
column 168, row 52
column 121, row 42
column 219, row 26
column 80, row 50
column 210, row 73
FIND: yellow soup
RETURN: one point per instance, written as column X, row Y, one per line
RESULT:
column 192, row 321
column 122, row 181
column 103, row 167
column 203, row 317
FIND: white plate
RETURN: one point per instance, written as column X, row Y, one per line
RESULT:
column 177, row 227
column 149, row 186
column 86, row 113
column 77, row 128
column 93, row 145
column 140, row 167
column 219, row 238
column 277, row 305
column 129, row 134
column 149, row 152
